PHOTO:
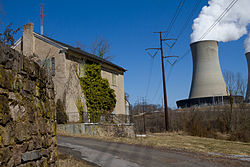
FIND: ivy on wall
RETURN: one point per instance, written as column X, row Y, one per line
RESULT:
column 100, row 98
column 80, row 107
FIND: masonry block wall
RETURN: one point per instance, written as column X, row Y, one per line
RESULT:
column 27, row 112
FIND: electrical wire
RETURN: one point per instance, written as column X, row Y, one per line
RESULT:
column 219, row 19
column 205, row 34
column 169, row 28
column 189, row 18
column 177, row 12
column 150, row 74
column 157, row 90
column 211, row 27
column 159, row 85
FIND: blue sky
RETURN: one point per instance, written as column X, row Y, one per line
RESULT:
column 128, row 26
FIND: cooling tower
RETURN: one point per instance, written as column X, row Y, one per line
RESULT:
column 207, row 78
column 248, row 83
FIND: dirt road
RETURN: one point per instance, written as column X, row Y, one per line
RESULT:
column 108, row 154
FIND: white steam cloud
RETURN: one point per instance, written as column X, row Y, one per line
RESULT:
column 231, row 27
column 247, row 43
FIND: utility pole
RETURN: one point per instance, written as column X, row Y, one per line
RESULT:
column 164, row 85
column 144, row 122
column 163, row 73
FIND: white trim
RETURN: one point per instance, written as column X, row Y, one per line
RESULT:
column 17, row 43
column 43, row 39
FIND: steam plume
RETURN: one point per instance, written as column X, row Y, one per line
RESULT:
column 231, row 27
column 247, row 43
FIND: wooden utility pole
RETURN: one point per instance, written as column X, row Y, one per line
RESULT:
column 144, row 122
column 164, row 85
column 163, row 74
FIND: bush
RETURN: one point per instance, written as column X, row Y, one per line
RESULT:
column 213, row 121
column 61, row 115
column 242, row 135
column 220, row 122
column 100, row 98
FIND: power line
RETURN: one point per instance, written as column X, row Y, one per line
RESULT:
column 157, row 90
column 211, row 27
column 183, row 56
column 163, row 74
column 150, row 74
column 184, row 27
column 169, row 72
column 219, row 18
column 152, row 55
column 156, row 94
column 177, row 12
column 189, row 18
column 174, row 18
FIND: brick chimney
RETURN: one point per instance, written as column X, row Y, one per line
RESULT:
column 28, row 39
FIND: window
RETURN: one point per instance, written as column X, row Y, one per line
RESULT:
column 114, row 79
column 53, row 69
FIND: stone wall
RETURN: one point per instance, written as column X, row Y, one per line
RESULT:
column 97, row 129
column 27, row 112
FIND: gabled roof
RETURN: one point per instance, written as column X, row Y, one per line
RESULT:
column 66, row 47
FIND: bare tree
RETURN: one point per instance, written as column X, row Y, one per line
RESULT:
column 100, row 48
column 79, row 45
column 7, row 37
column 126, row 96
column 236, row 84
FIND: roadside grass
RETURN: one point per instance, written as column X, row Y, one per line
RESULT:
column 179, row 140
column 66, row 160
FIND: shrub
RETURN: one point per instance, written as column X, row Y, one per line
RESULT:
column 221, row 122
column 61, row 115
column 100, row 98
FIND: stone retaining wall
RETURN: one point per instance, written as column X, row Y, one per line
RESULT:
column 27, row 112
column 95, row 129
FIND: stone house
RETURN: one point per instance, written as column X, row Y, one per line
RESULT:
column 66, row 63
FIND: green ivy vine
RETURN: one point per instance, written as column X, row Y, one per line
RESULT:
column 80, row 107
column 100, row 98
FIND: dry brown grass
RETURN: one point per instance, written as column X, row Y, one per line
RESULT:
column 66, row 160
column 180, row 140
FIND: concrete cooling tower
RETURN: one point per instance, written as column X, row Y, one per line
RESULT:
column 207, row 78
column 248, row 83
column 208, row 86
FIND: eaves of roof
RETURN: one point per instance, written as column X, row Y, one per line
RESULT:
column 85, row 54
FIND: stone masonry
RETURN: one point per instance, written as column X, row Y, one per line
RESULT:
column 27, row 112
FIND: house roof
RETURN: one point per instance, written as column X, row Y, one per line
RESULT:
column 89, row 55
column 73, row 49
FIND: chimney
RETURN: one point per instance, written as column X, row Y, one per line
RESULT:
column 207, row 78
column 248, row 83
column 28, row 39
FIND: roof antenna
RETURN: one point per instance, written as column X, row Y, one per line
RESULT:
column 41, row 15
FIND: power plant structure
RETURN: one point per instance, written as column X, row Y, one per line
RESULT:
column 207, row 78
column 247, row 99
column 208, row 86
